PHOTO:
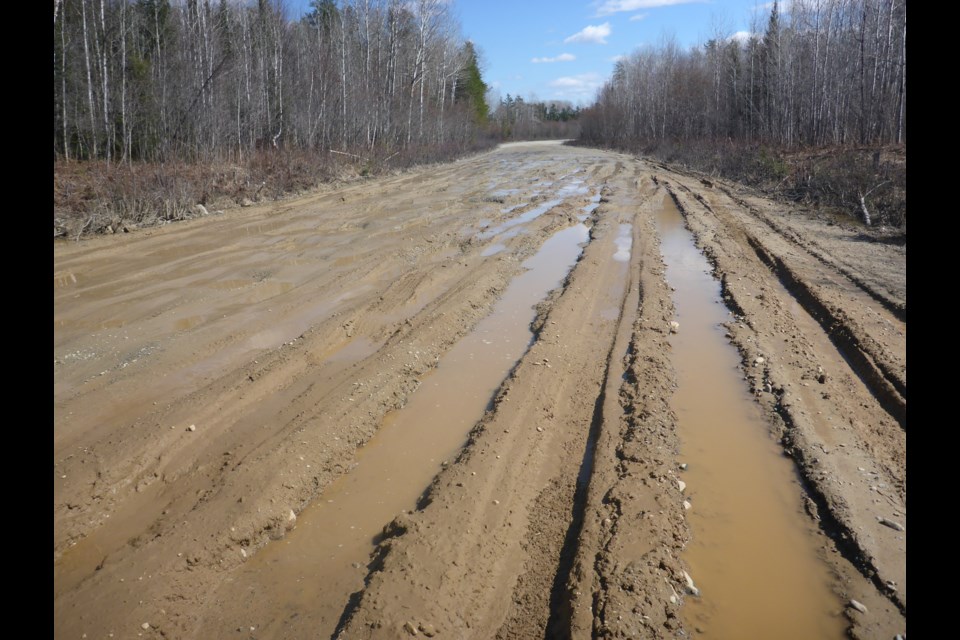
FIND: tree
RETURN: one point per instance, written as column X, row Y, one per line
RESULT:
column 471, row 88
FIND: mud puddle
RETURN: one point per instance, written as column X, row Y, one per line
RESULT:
column 753, row 554
column 300, row 586
column 523, row 218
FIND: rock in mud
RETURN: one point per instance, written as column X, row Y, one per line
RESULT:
column 192, row 427
column 145, row 626
column 291, row 520
column 428, row 629
column 691, row 588
column 896, row 526
column 682, row 485
column 674, row 326
column 758, row 361
column 858, row 606
column 410, row 628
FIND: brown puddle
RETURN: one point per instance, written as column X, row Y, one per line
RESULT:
column 299, row 587
column 753, row 553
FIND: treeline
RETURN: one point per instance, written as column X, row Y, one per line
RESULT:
column 161, row 80
column 517, row 119
column 829, row 72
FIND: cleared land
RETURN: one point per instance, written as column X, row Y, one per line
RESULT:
column 218, row 382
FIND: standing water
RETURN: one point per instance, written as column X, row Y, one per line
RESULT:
column 753, row 553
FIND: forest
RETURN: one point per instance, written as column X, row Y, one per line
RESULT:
column 160, row 105
column 155, row 80
column 812, row 102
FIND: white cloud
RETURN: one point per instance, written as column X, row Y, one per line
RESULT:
column 615, row 6
column 639, row 16
column 616, row 59
column 596, row 34
column 563, row 57
column 742, row 36
column 579, row 87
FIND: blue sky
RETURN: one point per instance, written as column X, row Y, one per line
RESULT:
column 566, row 49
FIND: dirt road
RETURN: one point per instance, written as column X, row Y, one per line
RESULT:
column 231, row 392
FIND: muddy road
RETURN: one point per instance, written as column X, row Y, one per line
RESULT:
column 540, row 392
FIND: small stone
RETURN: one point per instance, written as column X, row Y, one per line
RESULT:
column 682, row 485
column 890, row 523
column 410, row 628
column 243, row 552
column 686, row 504
column 540, row 429
column 145, row 626
column 201, row 210
column 674, row 326
column 673, row 599
column 246, row 202
column 758, row 361
column 291, row 520
column 192, row 427
column 691, row 588
column 428, row 629
column 496, row 502
column 858, row 606
column 683, row 467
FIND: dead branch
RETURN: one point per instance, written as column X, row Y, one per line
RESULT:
column 344, row 153
column 863, row 202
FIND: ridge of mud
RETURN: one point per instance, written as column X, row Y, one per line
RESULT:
column 889, row 390
column 627, row 579
column 896, row 307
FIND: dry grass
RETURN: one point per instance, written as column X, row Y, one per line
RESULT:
column 832, row 178
column 97, row 197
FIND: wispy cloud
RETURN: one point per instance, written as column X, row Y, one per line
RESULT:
column 595, row 34
column 579, row 87
column 639, row 16
column 563, row 57
column 608, row 7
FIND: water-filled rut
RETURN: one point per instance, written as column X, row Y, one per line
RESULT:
column 753, row 554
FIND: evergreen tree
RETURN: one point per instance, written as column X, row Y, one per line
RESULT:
column 470, row 85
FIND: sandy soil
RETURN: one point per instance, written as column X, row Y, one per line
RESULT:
column 214, row 378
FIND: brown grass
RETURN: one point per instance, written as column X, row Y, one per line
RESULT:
column 98, row 197
column 832, row 178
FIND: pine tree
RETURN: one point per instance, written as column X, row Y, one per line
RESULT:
column 470, row 85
